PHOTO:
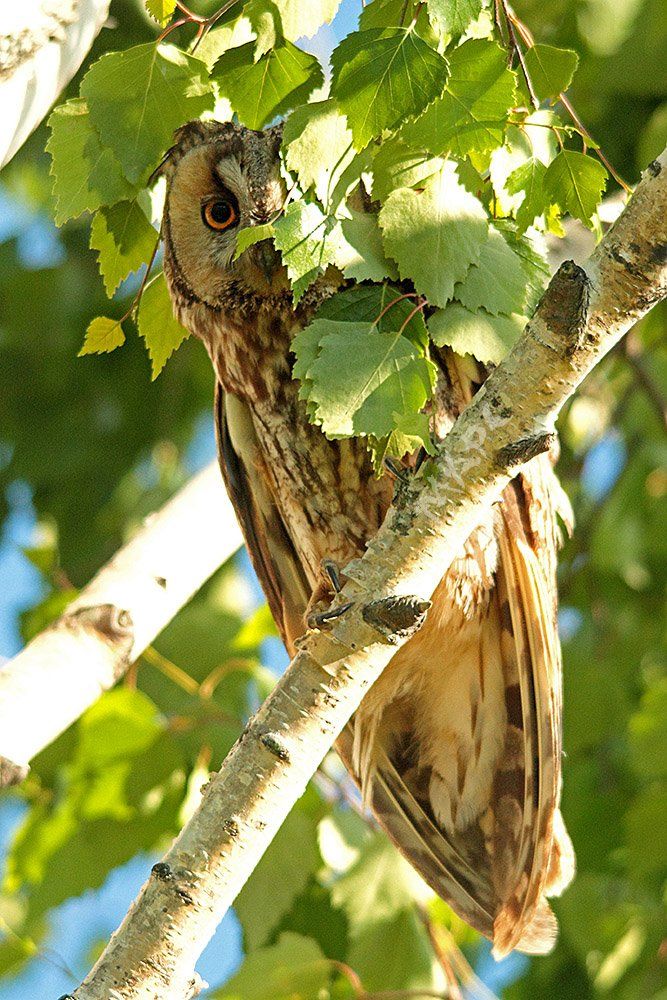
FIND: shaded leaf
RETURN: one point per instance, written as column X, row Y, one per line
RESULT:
column 575, row 182
column 124, row 240
column 488, row 338
column 496, row 282
column 550, row 69
column 293, row 969
column 138, row 97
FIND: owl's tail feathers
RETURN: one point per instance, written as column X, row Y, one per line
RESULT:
column 542, row 855
column 538, row 937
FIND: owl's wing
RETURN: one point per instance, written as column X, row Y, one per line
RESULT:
column 269, row 546
column 496, row 871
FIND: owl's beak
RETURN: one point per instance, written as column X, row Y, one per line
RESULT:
column 268, row 259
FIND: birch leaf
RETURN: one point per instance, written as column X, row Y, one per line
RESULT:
column 138, row 98
column 434, row 234
column 124, row 240
column 383, row 76
column 575, row 182
column 161, row 331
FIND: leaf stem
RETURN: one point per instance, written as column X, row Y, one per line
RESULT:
column 515, row 49
column 529, row 40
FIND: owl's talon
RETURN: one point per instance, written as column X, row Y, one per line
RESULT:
column 332, row 571
column 396, row 470
column 323, row 618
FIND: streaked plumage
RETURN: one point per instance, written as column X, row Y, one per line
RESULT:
column 457, row 746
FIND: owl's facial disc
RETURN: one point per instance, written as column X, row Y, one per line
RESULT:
column 217, row 189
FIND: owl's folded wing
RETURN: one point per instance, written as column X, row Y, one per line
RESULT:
column 269, row 546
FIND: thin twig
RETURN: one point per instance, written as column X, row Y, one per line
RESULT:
column 514, row 45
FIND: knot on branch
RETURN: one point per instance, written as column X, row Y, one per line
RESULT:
column 564, row 306
column 396, row 617
column 165, row 873
column 523, row 450
column 274, row 745
column 111, row 623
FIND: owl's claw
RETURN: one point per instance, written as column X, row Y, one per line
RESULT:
column 332, row 571
column 323, row 618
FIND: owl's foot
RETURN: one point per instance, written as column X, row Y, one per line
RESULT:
column 318, row 613
column 322, row 618
column 333, row 572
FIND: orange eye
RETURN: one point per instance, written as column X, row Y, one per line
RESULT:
column 220, row 214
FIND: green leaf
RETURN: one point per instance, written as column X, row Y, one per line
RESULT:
column 497, row 282
column 488, row 338
column 308, row 241
column 379, row 886
column 453, row 17
column 575, row 182
column 280, row 876
column 390, row 376
column 124, row 240
column 550, row 69
column 382, row 77
column 394, row 954
column 318, row 147
column 252, row 234
column 434, row 234
column 161, row 331
column 293, row 969
column 102, row 336
column 397, row 165
column 85, row 174
column 365, row 259
column 383, row 306
column 161, row 10
column 529, row 179
column 259, row 91
column 299, row 19
column 471, row 115
column 138, row 97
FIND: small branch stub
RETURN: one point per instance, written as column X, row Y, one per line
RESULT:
column 396, row 617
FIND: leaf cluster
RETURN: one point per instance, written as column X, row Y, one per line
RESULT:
column 421, row 169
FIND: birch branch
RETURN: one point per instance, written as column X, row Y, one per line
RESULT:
column 42, row 45
column 67, row 666
column 582, row 315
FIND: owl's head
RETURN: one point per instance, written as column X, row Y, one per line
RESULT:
column 221, row 178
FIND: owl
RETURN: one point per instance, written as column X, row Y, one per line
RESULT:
column 457, row 745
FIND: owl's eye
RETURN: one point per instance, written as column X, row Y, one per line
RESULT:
column 220, row 214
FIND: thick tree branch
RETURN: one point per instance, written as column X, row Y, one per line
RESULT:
column 581, row 316
column 68, row 665
column 42, row 45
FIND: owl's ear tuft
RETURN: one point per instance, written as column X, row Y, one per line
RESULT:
column 186, row 137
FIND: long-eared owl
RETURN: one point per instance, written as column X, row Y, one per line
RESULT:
column 457, row 746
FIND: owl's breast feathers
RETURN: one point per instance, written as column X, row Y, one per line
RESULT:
column 457, row 746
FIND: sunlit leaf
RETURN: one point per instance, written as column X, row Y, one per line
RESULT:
column 382, row 77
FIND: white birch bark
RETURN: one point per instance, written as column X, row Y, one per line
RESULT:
column 582, row 315
column 67, row 666
column 42, row 45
